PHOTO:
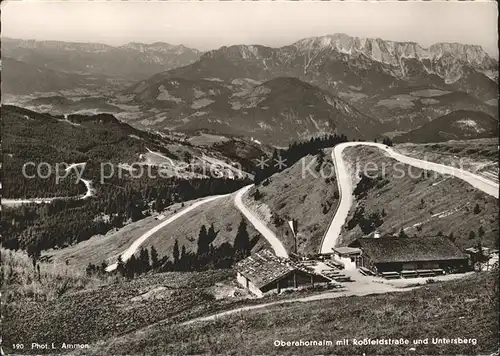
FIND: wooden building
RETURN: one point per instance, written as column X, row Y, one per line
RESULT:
column 347, row 256
column 410, row 256
column 264, row 272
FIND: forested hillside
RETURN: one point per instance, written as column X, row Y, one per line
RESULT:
column 104, row 144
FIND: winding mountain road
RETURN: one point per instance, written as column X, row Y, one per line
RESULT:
column 260, row 226
column 88, row 193
column 140, row 240
column 264, row 230
column 345, row 187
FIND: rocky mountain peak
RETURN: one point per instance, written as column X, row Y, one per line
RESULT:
column 471, row 54
column 239, row 51
column 162, row 47
column 391, row 52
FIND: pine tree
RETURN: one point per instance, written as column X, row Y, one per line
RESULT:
column 90, row 269
column 143, row 261
column 154, row 257
column 472, row 235
column 176, row 253
column 131, row 267
column 242, row 241
column 120, row 266
column 477, row 209
column 481, row 231
column 34, row 253
column 203, row 241
column 135, row 212
column 387, row 141
column 187, row 157
column 102, row 268
column 481, row 257
column 183, row 261
column 212, row 234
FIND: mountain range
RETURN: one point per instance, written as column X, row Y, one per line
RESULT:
column 133, row 61
column 363, row 87
column 340, row 62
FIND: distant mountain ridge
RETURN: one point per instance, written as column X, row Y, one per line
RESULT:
column 392, row 52
column 339, row 61
column 457, row 125
column 402, row 85
column 133, row 61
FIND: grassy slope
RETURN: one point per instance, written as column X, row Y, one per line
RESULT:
column 462, row 308
column 117, row 316
column 67, row 306
column 222, row 213
column 290, row 194
column 99, row 248
column 20, row 281
column 113, row 308
column 401, row 199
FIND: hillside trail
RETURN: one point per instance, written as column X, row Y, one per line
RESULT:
column 259, row 225
column 88, row 185
column 132, row 249
column 278, row 247
column 360, row 290
column 346, row 189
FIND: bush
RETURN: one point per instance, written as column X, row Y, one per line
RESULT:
column 257, row 195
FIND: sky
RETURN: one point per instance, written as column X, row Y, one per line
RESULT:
column 209, row 25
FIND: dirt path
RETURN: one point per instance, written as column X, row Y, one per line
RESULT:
column 88, row 194
column 367, row 289
column 261, row 227
column 161, row 156
column 479, row 182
